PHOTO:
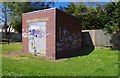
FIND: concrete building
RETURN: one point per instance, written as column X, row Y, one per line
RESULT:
column 50, row 32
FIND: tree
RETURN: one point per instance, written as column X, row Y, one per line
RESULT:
column 112, row 20
column 70, row 8
column 112, row 23
column 12, row 13
column 90, row 16
column 5, row 18
column 23, row 7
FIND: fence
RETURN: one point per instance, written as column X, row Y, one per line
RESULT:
column 12, row 36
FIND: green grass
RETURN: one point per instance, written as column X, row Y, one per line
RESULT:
column 101, row 62
column 11, row 47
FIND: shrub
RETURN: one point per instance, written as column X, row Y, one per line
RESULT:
column 115, row 41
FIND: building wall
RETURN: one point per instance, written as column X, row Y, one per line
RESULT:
column 45, row 15
column 68, row 34
column 99, row 38
column 63, row 32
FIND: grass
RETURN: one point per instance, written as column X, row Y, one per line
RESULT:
column 11, row 47
column 5, row 40
column 101, row 62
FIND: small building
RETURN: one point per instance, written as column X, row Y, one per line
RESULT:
column 50, row 32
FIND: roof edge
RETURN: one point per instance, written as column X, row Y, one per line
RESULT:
column 40, row 10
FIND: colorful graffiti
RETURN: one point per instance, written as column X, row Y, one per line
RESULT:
column 37, row 37
column 68, row 39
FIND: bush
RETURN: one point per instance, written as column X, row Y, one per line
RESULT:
column 115, row 41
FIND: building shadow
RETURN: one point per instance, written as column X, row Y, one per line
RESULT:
column 87, row 44
column 86, row 48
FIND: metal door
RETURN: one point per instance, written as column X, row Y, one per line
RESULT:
column 37, row 37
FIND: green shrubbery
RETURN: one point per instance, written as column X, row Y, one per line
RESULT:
column 115, row 41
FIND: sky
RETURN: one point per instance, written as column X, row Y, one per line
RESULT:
column 65, row 4
column 57, row 4
column 77, row 0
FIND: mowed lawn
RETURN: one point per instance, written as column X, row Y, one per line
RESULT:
column 101, row 62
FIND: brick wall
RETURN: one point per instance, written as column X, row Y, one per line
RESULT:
column 57, row 23
column 68, row 37
column 45, row 15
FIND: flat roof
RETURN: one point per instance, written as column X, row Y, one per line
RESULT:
column 40, row 10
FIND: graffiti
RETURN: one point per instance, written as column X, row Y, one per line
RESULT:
column 24, row 35
column 37, row 37
column 68, row 39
